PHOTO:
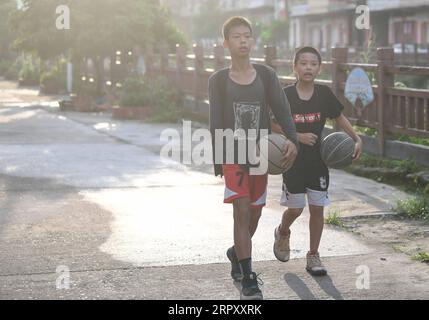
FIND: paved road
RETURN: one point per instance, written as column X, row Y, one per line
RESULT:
column 83, row 193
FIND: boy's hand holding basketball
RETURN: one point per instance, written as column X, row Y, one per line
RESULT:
column 358, row 150
column 309, row 139
column 289, row 152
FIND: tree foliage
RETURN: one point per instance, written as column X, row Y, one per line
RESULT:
column 275, row 33
column 97, row 27
column 7, row 7
column 207, row 24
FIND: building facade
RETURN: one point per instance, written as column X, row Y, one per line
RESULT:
column 328, row 23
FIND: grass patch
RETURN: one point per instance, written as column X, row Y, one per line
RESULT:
column 334, row 218
column 400, row 169
column 407, row 166
column 165, row 116
column 414, row 208
column 415, row 140
column 422, row 257
column 175, row 115
column 371, row 132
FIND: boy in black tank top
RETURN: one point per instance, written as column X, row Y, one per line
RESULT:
column 240, row 99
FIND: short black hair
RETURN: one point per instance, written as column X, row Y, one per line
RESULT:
column 235, row 22
column 306, row 49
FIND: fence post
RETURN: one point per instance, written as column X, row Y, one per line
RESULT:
column 149, row 61
column 385, row 58
column 219, row 54
column 270, row 55
column 180, row 66
column 164, row 59
column 199, row 70
column 416, row 54
column 339, row 55
column 425, row 61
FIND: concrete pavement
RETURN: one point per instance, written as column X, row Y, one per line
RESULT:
column 88, row 195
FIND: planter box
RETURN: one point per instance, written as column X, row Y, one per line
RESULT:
column 66, row 105
column 28, row 83
column 83, row 103
column 50, row 87
column 136, row 113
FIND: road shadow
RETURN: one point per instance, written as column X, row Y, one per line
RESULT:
column 299, row 287
column 304, row 292
column 328, row 286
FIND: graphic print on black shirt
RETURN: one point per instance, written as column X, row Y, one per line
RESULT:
column 247, row 116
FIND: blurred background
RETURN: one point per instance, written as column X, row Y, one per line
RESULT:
column 98, row 52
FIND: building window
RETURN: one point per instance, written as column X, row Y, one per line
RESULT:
column 408, row 27
column 405, row 32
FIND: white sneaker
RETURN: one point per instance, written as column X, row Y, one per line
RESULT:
column 314, row 265
column 281, row 245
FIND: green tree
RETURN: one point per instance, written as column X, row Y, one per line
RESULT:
column 207, row 24
column 275, row 33
column 7, row 7
column 97, row 28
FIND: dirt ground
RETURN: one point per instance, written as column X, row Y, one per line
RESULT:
column 403, row 234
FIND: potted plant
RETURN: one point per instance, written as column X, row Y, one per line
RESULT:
column 54, row 80
column 84, row 95
column 136, row 99
column 29, row 75
column 166, row 100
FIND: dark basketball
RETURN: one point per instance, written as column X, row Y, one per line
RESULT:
column 337, row 150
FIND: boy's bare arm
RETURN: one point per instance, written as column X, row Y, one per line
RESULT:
column 281, row 109
column 344, row 123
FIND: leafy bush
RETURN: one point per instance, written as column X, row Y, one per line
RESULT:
column 416, row 208
column 414, row 140
column 165, row 101
column 156, row 93
column 404, row 174
column 136, row 93
column 405, row 166
column 4, row 66
column 12, row 72
column 366, row 131
column 30, row 69
column 56, row 77
column 24, row 68
column 411, row 81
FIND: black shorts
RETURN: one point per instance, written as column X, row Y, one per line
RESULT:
column 302, row 177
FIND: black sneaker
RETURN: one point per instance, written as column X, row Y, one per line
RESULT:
column 235, row 265
column 250, row 289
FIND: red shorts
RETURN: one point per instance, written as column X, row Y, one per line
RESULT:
column 239, row 184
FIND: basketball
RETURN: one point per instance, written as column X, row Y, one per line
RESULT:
column 276, row 143
column 337, row 150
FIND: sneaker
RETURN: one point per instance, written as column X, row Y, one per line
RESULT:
column 314, row 265
column 235, row 265
column 250, row 289
column 281, row 245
